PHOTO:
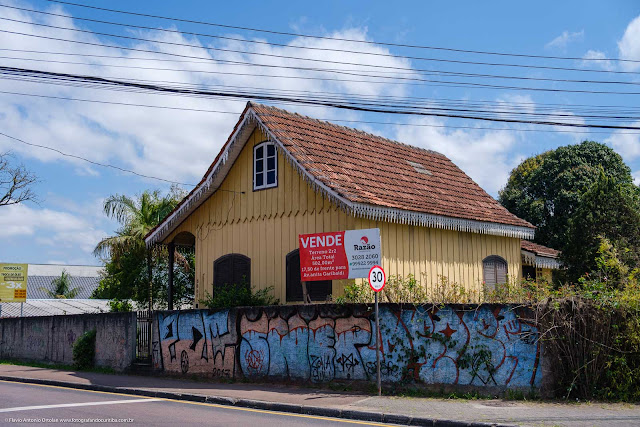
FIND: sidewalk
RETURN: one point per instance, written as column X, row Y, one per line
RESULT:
column 348, row 405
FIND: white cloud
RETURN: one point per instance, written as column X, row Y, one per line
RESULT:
column 602, row 61
column 629, row 46
column 49, row 227
column 563, row 40
column 626, row 143
column 636, row 177
column 172, row 144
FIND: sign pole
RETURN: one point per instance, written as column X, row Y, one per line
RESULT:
column 21, row 304
column 377, row 280
column 378, row 347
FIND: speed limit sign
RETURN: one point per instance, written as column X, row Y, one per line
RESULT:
column 377, row 278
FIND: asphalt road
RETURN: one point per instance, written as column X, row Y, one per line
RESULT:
column 30, row 404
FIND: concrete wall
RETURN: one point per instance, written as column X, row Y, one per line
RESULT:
column 50, row 339
column 480, row 346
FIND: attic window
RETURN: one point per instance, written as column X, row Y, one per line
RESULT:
column 419, row 168
column 265, row 166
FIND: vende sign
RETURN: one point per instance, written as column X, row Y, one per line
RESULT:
column 339, row 255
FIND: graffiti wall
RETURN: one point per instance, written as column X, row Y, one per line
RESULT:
column 486, row 345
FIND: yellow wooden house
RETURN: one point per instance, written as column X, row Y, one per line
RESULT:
column 281, row 174
column 539, row 262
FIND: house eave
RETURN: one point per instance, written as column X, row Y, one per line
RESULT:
column 540, row 261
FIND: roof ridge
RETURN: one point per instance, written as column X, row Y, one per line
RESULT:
column 327, row 122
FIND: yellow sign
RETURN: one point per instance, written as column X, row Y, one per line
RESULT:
column 13, row 282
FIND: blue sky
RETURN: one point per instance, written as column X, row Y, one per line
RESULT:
column 179, row 145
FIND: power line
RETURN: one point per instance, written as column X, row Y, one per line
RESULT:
column 437, row 82
column 323, row 61
column 338, row 38
column 363, row 100
column 457, row 107
column 339, row 71
column 63, row 78
column 252, row 95
column 252, row 75
column 105, row 165
column 323, row 119
column 261, row 42
column 418, row 71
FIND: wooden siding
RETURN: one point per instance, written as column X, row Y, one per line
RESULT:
column 264, row 226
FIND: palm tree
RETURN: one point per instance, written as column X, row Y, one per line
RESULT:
column 137, row 218
column 62, row 287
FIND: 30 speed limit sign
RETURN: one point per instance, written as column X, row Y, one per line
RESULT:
column 377, row 278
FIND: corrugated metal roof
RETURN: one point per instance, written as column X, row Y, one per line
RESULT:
column 53, row 307
column 35, row 285
column 57, row 269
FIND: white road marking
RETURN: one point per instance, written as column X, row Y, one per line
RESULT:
column 71, row 405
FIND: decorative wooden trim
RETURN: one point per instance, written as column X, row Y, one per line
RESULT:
column 538, row 261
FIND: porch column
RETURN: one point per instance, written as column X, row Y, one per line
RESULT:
column 172, row 250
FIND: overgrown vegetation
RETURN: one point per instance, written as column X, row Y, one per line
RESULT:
column 239, row 295
column 583, row 201
column 409, row 290
column 84, row 350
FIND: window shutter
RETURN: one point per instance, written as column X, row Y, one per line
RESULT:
column 501, row 272
column 489, row 273
column 231, row 269
column 318, row 291
column 242, row 270
column 294, row 288
column 494, row 271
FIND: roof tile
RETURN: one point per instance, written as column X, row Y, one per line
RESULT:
column 366, row 168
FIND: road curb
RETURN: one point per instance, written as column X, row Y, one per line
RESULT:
column 264, row 405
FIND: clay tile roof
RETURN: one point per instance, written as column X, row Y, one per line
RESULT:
column 368, row 172
column 366, row 168
column 539, row 249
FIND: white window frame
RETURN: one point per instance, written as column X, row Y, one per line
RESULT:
column 264, row 172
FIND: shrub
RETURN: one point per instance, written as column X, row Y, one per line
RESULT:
column 117, row 306
column 407, row 289
column 591, row 332
column 356, row 293
column 239, row 296
column 84, row 350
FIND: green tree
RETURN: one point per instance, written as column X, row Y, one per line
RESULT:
column 605, row 227
column 127, row 248
column 547, row 189
column 62, row 287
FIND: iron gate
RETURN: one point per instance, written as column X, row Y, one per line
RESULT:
column 143, row 338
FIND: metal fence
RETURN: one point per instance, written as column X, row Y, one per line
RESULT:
column 143, row 347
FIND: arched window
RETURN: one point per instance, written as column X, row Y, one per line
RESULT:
column 265, row 166
column 232, row 269
column 318, row 290
column 494, row 271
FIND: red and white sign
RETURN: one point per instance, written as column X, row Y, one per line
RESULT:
column 377, row 278
column 339, row 255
